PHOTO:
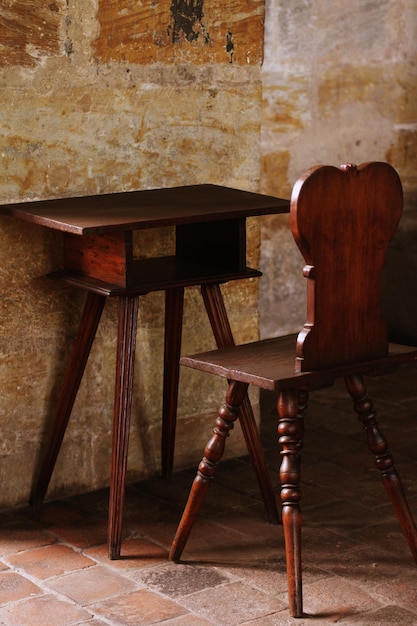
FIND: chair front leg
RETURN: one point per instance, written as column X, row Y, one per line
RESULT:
column 384, row 461
column 217, row 314
column 291, row 410
column 213, row 453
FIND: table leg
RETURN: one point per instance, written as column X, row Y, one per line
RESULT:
column 93, row 309
column 222, row 331
column 125, row 361
column 174, row 306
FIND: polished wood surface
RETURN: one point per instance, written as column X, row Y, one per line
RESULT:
column 153, row 208
column 123, row 393
column 344, row 319
column 267, row 365
column 342, row 220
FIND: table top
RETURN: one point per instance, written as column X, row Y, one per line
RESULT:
column 134, row 210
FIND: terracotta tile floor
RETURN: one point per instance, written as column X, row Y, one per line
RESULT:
column 54, row 570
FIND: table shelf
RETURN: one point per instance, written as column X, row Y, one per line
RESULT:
column 157, row 274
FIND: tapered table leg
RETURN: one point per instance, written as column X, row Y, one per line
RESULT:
column 93, row 309
column 125, row 361
column 222, row 331
column 174, row 305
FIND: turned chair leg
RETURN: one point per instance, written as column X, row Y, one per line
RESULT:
column 291, row 411
column 384, row 461
column 216, row 311
column 213, row 453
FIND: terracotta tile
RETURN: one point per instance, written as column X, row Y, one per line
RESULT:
column 218, row 500
column 139, row 608
column 162, row 531
column 59, row 512
column 14, row 587
column 176, row 579
column 22, row 536
column 401, row 590
column 93, row 622
column 91, row 585
column 154, row 519
column 50, row 561
column 188, row 620
column 343, row 516
column 385, row 536
column 356, row 565
column 240, row 476
column 95, row 504
column 173, row 490
column 82, row 535
column 371, row 567
column 135, row 553
column 227, row 546
column 388, row 616
column 336, row 599
column 42, row 610
column 232, row 604
column 324, row 547
column 268, row 576
column 282, row 619
column 252, row 522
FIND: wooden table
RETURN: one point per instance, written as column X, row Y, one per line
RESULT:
column 210, row 238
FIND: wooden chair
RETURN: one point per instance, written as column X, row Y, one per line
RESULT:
column 342, row 221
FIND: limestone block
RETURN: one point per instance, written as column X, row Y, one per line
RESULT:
column 63, row 140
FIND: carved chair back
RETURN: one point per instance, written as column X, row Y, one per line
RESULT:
column 342, row 221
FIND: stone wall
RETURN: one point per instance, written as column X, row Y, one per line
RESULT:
column 105, row 96
column 339, row 85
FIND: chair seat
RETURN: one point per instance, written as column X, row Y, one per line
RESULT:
column 270, row 364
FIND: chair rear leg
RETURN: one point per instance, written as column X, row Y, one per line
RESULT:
column 213, row 453
column 254, row 445
column 383, row 459
column 217, row 314
column 291, row 410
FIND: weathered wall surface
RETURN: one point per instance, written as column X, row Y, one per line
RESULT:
column 104, row 96
column 339, row 84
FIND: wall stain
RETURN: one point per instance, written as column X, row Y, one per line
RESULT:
column 28, row 32
column 187, row 22
column 230, row 46
column 179, row 31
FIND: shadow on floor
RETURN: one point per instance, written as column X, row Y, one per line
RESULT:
column 357, row 567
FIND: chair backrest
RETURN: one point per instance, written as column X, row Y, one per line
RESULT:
column 342, row 221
